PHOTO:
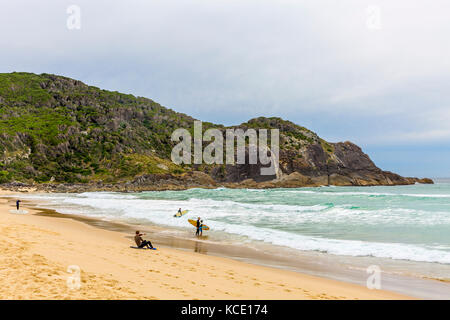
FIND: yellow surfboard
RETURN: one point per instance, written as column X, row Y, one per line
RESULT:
column 194, row 223
column 177, row 215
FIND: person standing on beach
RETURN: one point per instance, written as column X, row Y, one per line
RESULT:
column 201, row 228
column 198, row 227
column 141, row 243
column 18, row 204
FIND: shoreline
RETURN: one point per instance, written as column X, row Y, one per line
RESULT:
column 104, row 256
column 345, row 268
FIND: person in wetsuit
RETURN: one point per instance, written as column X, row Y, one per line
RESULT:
column 141, row 243
column 198, row 227
column 18, row 204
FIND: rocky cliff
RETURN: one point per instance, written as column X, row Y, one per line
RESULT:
column 60, row 134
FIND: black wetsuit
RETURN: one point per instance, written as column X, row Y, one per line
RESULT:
column 141, row 243
column 17, row 204
column 197, row 233
column 146, row 243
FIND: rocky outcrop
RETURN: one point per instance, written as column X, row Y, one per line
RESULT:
column 315, row 164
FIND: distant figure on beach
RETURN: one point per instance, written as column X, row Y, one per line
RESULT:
column 179, row 211
column 141, row 243
column 198, row 227
column 18, row 204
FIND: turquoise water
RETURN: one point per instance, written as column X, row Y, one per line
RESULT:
column 400, row 223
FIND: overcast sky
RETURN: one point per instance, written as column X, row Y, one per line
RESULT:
column 376, row 73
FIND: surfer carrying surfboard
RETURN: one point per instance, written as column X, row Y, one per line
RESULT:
column 198, row 224
column 198, row 227
column 201, row 228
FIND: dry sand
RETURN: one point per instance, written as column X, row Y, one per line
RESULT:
column 36, row 252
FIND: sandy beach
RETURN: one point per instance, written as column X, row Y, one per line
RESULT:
column 40, row 256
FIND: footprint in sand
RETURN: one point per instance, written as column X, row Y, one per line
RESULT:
column 155, row 271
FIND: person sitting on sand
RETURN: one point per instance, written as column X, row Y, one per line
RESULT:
column 141, row 243
column 198, row 227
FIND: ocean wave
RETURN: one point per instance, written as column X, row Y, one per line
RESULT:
column 340, row 226
column 119, row 204
column 373, row 194
column 354, row 248
column 106, row 195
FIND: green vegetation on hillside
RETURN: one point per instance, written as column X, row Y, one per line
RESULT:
column 54, row 128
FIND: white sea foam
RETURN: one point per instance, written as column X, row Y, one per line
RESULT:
column 340, row 247
column 375, row 194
